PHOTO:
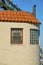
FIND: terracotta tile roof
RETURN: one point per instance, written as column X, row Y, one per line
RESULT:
column 17, row 16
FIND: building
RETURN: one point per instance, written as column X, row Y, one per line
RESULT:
column 19, row 38
column 41, row 56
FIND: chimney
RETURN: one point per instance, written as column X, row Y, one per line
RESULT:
column 34, row 10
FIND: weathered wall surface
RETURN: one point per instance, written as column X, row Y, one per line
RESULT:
column 17, row 54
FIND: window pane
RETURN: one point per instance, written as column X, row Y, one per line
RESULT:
column 34, row 36
column 16, row 35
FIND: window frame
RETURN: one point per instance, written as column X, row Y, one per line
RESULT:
column 33, row 41
column 11, row 35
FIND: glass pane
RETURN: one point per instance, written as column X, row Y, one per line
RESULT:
column 34, row 36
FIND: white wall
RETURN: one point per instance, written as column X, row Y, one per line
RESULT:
column 17, row 54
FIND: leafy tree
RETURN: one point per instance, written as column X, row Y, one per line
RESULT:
column 9, row 6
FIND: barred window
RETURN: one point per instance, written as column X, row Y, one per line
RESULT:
column 34, row 36
column 16, row 35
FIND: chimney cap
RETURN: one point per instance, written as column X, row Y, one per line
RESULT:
column 34, row 5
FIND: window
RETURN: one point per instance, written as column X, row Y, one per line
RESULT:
column 34, row 36
column 42, row 56
column 16, row 35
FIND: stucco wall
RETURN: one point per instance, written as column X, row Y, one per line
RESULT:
column 17, row 54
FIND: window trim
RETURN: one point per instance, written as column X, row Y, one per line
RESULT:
column 11, row 36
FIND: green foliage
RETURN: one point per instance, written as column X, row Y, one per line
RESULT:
column 13, row 5
column 8, row 7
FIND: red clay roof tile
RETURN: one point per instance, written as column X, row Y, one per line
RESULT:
column 10, row 15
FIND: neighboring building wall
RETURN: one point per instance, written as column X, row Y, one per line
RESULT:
column 17, row 54
column 41, row 56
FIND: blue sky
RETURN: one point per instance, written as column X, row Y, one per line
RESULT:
column 27, row 5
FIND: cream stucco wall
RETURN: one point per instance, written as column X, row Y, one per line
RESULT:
column 17, row 54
